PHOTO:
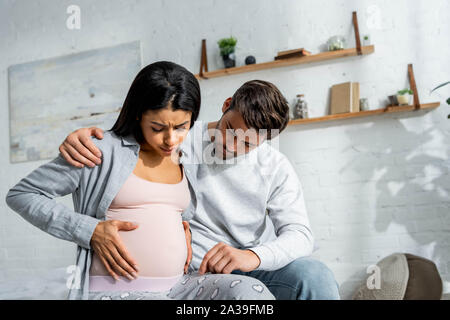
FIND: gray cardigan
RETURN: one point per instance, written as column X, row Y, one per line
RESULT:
column 92, row 189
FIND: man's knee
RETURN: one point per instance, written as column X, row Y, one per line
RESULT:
column 313, row 278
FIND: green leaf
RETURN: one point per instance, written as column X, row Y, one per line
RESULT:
column 448, row 101
column 404, row 91
column 227, row 42
column 441, row 85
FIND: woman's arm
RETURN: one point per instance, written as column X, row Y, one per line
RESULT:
column 33, row 198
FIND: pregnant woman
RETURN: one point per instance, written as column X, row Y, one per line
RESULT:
column 127, row 221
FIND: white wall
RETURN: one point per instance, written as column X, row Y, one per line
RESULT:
column 373, row 186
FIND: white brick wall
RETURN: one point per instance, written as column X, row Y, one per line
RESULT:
column 372, row 186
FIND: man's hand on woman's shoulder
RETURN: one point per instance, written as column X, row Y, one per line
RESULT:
column 79, row 150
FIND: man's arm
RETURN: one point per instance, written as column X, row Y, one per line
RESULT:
column 79, row 150
column 286, row 207
column 287, row 210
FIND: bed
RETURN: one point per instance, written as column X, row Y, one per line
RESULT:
column 42, row 285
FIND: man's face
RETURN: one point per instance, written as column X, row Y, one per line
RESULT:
column 232, row 137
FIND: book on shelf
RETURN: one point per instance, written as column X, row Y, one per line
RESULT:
column 294, row 53
column 345, row 98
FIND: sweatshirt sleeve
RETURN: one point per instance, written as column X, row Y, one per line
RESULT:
column 33, row 198
column 286, row 208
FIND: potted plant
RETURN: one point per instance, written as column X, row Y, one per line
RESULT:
column 336, row 43
column 227, row 47
column 404, row 96
column 442, row 85
column 366, row 40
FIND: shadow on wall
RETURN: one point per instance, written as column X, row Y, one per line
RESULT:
column 414, row 189
column 391, row 194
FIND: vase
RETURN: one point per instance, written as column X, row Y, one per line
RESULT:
column 393, row 100
column 363, row 104
column 301, row 108
column 404, row 99
column 229, row 60
column 366, row 40
column 336, row 43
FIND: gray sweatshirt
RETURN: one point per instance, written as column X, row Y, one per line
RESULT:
column 255, row 202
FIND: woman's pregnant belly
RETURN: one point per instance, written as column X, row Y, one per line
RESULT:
column 158, row 244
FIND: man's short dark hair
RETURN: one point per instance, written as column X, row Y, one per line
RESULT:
column 262, row 106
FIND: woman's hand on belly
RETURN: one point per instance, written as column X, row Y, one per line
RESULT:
column 109, row 247
column 187, row 232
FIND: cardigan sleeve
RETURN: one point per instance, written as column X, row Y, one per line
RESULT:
column 33, row 198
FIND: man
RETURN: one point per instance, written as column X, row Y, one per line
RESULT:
column 249, row 215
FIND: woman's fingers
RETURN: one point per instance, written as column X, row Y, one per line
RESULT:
column 115, row 266
column 108, row 245
column 125, row 226
column 189, row 254
column 129, row 262
column 189, row 258
column 106, row 264
column 188, row 244
column 127, row 270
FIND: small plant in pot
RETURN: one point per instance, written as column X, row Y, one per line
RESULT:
column 404, row 96
column 227, row 47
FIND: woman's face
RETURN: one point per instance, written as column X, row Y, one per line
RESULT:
column 164, row 129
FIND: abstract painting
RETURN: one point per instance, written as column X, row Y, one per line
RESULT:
column 50, row 98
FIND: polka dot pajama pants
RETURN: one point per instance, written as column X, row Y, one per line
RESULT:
column 193, row 286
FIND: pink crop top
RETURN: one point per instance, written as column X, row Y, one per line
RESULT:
column 158, row 244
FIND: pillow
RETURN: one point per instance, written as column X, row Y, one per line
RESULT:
column 424, row 281
column 404, row 276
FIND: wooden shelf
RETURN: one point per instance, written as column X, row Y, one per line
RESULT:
column 323, row 56
column 388, row 109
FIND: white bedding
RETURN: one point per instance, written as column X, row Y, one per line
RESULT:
column 43, row 285
column 51, row 285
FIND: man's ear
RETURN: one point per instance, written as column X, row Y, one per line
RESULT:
column 226, row 105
